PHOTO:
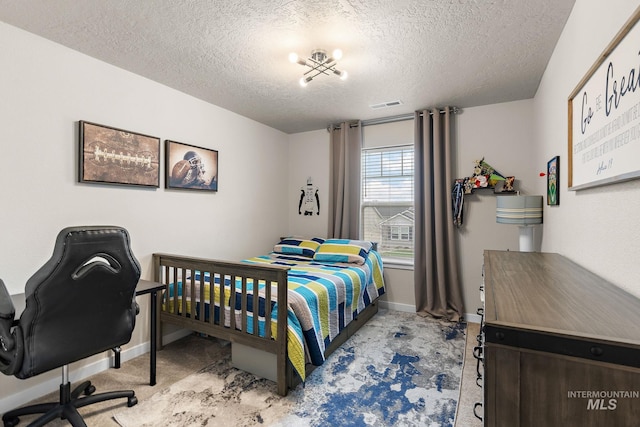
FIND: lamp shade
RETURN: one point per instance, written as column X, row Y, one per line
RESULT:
column 519, row 210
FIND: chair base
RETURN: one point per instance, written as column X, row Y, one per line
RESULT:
column 67, row 407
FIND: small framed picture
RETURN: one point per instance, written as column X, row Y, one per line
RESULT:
column 553, row 177
column 115, row 156
column 190, row 167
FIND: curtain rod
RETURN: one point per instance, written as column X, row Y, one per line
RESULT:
column 391, row 119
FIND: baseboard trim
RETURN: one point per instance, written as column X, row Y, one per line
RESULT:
column 472, row 318
column 408, row 308
column 175, row 336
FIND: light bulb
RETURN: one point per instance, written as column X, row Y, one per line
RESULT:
column 337, row 54
column 293, row 57
column 341, row 74
column 304, row 81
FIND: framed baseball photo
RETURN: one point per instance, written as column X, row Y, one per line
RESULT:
column 190, row 167
column 116, row 156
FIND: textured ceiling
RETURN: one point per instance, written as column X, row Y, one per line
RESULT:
column 234, row 53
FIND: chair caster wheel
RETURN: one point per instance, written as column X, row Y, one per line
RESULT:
column 11, row 422
column 132, row 401
column 89, row 390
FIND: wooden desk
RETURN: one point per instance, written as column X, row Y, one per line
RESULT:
column 562, row 346
column 151, row 288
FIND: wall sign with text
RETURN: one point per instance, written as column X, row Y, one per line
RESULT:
column 604, row 115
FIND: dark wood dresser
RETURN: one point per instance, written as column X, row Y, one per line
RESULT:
column 561, row 345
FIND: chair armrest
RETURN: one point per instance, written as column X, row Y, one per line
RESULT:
column 7, row 314
column 7, row 310
column 11, row 345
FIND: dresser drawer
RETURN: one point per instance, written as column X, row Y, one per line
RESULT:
column 567, row 346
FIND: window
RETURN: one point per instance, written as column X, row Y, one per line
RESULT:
column 401, row 232
column 387, row 200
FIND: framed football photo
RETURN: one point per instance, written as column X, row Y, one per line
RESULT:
column 190, row 167
column 115, row 156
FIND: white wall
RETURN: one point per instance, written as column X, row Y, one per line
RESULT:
column 503, row 135
column 44, row 90
column 309, row 157
column 597, row 228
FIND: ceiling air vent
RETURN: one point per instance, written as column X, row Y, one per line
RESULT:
column 386, row 104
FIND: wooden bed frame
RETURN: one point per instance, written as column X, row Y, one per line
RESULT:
column 166, row 267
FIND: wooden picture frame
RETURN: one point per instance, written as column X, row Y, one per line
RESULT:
column 190, row 167
column 110, row 155
column 553, row 181
column 604, row 115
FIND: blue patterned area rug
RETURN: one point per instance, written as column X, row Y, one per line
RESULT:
column 399, row 369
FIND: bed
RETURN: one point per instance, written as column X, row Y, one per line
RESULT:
column 325, row 289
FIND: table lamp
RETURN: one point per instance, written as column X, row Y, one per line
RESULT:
column 523, row 211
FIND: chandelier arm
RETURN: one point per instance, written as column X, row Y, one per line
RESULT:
column 317, row 73
column 321, row 68
column 328, row 62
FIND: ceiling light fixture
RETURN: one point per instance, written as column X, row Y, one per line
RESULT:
column 319, row 63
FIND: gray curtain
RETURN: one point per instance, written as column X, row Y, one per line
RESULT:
column 344, row 180
column 437, row 284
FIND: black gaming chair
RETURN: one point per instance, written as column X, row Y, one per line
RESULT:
column 80, row 303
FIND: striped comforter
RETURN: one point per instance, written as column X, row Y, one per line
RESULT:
column 323, row 299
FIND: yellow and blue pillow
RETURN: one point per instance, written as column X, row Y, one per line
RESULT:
column 298, row 246
column 343, row 250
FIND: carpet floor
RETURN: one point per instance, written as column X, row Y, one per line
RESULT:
column 470, row 392
column 398, row 370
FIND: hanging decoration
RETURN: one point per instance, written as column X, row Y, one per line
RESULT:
column 457, row 197
column 309, row 199
column 484, row 176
